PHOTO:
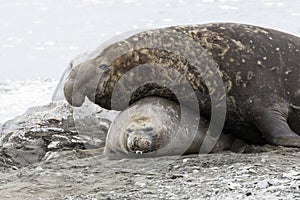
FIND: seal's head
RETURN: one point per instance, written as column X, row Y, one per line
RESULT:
column 139, row 66
column 144, row 128
column 84, row 80
column 143, row 134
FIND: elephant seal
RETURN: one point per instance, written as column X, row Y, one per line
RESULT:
column 259, row 67
column 152, row 126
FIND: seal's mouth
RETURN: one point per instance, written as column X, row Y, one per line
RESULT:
column 140, row 143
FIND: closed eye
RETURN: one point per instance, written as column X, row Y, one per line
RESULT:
column 148, row 129
column 104, row 67
column 128, row 130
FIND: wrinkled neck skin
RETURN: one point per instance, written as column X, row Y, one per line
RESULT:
column 99, row 86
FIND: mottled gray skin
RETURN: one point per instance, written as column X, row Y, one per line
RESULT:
column 152, row 127
column 260, row 69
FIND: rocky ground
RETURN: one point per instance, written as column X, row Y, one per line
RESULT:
column 270, row 175
column 41, row 158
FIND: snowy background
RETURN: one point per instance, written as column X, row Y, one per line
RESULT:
column 38, row 38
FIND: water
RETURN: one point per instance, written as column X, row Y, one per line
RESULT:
column 17, row 96
column 38, row 38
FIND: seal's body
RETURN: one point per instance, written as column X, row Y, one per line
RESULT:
column 152, row 126
column 259, row 67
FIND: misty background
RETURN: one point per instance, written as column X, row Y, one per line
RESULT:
column 38, row 38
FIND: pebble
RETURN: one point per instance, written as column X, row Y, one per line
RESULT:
column 252, row 171
column 248, row 194
column 273, row 188
column 263, row 160
column 14, row 168
column 273, row 182
column 263, row 184
column 233, row 186
column 176, row 166
column 53, row 145
column 292, row 175
column 140, row 184
column 39, row 169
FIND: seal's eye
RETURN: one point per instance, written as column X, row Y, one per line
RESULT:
column 128, row 130
column 104, row 67
column 148, row 129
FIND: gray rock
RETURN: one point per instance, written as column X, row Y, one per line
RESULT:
column 53, row 127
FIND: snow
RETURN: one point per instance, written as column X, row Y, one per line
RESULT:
column 38, row 38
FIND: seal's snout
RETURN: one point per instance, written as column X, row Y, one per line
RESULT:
column 73, row 97
column 140, row 141
column 83, row 81
column 143, row 145
column 139, row 144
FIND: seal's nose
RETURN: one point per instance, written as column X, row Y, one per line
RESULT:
column 83, row 81
column 142, row 144
column 139, row 144
column 76, row 84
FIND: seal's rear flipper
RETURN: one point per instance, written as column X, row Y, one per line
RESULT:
column 272, row 123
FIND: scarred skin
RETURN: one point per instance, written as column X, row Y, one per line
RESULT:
column 260, row 69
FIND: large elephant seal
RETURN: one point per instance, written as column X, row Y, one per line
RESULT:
column 259, row 67
column 152, row 126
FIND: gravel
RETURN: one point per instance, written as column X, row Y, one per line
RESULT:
column 274, row 174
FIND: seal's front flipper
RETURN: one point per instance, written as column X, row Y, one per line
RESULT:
column 89, row 152
column 272, row 123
